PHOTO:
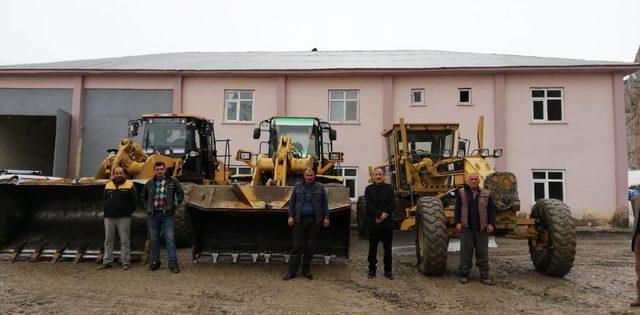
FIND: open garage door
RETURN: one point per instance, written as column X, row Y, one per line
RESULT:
column 27, row 142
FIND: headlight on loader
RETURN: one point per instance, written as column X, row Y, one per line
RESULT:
column 446, row 153
column 460, row 153
column 484, row 152
column 497, row 153
column 336, row 157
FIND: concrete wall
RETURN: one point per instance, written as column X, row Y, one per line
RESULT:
column 27, row 142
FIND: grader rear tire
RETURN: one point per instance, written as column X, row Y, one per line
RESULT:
column 361, row 216
column 181, row 221
column 431, row 237
column 554, row 249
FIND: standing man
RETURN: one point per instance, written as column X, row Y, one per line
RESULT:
column 161, row 196
column 308, row 209
column 120, row 199
column 635, row 246
column 475, row 219
column 381, row 203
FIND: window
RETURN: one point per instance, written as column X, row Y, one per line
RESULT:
column 343, row 106
column 417, row 97
column 464, row 96
column 548, row 184
column 350, row 175
column 239, row 106
column 547, row 104
column 239, row 169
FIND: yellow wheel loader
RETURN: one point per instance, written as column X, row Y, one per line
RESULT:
column 248, row 220
column 427, row 164
column 58, row 218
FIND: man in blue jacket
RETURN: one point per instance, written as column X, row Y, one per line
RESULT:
column 308, row 210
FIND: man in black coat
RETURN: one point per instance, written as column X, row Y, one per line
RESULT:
column 381, row 203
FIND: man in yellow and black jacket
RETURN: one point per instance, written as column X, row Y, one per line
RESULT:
column 120, row 200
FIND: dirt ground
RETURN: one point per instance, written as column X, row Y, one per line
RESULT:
column 602, row 281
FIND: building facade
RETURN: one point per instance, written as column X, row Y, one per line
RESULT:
column 560, row 122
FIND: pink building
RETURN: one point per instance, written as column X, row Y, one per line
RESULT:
column 560, row 121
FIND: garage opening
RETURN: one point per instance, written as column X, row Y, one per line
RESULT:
column 39, row 143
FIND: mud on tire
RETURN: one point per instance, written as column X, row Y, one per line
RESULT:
column 361, row 216
column 557, row 256
column 182, row 225
column 432, row 240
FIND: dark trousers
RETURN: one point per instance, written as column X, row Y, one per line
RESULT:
column 474, row 241
column 375, row 236
column 305, row 235
column 636, row 252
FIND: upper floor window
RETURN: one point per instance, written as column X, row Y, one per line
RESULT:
column 239, row 106
column 464, row 96
column 417, row 97
column 548, row 184
column 343, row 106
column 547, row 104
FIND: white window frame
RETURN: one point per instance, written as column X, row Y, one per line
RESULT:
column 344, row 106
column 238, row 100
column 470, row 102
column 545, row 113
column 354, row 178
column 421, row 103
column 546, row 182
column 237, row 168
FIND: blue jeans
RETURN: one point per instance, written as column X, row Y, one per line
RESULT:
column 158, row 222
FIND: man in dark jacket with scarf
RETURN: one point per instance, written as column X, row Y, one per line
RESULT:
column 120, row 199
column 475, row 219
column 161, row 196
column 308, row 210
column 381, row 203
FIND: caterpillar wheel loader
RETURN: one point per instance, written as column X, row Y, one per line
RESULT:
column 427, row 164
column 248, row 220
column 61, row 218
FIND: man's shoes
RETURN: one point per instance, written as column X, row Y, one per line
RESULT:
column 154, row 265
column 307, row 275
column 105, row 266
column 125, row 267
column 635, row 303
column 289, row 276
column 371, row 274
column 389, row 275
column 464, row 280
column 486, row 281
column 174, row 269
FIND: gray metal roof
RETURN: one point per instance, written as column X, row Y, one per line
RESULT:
column 321, row 60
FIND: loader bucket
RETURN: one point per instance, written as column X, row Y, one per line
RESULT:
column 42, row 218
column 253, row 220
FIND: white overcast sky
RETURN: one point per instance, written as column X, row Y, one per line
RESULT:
column 42, row 31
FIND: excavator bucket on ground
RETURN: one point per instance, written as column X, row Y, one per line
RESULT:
column 55, row 219
column 251, row 221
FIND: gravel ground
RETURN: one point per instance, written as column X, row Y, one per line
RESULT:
column 602, row 281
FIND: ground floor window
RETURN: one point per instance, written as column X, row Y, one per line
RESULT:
column 350, row 175
column 239, row 169
column 548, row 184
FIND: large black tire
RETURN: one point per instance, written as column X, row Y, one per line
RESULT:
column 361, row 216
column 181, row 221
column 432, row 240
column 557, row 256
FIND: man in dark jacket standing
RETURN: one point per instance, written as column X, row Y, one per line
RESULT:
column 381, row 203
column 308, row 209
column 120, row 199
column 475, row 219
column 161, row 196
column 635, row 246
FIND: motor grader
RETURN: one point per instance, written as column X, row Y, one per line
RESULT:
column 248, row 220
column 428, row 163
column 45, row 217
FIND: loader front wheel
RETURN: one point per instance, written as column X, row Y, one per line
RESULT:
column 432, row 240
column 553, row 250
column 181, row 222
column 361, row 216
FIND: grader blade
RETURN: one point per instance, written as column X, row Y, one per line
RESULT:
column 50, row 218
column 242, row 221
